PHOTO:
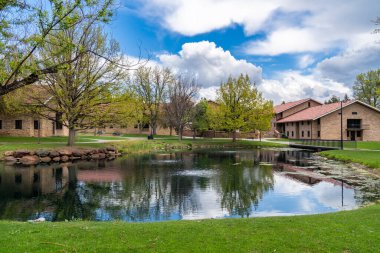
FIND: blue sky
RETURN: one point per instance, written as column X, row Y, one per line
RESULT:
column 291, row 48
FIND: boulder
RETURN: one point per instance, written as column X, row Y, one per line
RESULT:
column 75, row 157
column 65, row 152
column 78, row 153
column 43, row 153
column 102, row 155
column 56, row 159
column 9, row 153
column 95, row 156
column 10, row 160
column 54, row 153
column 21, row 153
column 30, row 160
column 64, row 158
column 46, row 159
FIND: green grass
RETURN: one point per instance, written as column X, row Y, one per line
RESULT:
column 57, row 139
column 365, row 157
column 146, row 136
column 348, row 231
column 375, row 145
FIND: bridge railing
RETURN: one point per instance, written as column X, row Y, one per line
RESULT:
column 325, row 143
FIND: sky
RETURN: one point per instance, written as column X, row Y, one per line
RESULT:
column 291, row 49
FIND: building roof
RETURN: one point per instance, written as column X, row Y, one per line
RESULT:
column 317, row 112
column 286, row 106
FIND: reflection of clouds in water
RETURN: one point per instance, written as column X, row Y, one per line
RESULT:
column 331, row 196
column 196, row 173
column 288, row 187
column 209, row 203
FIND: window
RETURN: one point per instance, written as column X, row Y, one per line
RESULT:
column 308, row 133
column 359, row 133
column 354, row 113
column 319, row 134
column 36, row 125
column 348, row 134
column 292, row 133
column 353, row 123
column 58, row 121
column 287, row 133
column 308, row 123
column 111, row 126
column 18, row 124
column 292, row 123
column 301, row 122
column 1, row 124
column 302, row 133
column 308, row 104
column 318, row 121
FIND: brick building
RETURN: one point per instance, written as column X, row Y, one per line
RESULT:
column 310, row 119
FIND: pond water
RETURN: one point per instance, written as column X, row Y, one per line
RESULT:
column 188, row 185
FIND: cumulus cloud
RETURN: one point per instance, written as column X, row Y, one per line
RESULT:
column 292, row 85
column 305, row 61
column 321, row 24
column 211, row 64
column 344, row 67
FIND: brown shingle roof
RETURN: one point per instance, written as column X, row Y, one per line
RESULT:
column 315, row 112
column 286, row 106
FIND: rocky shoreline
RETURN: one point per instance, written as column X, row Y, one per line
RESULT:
column 63, row 155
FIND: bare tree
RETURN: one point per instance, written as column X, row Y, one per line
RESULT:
column 180, row 107
column 150, row 85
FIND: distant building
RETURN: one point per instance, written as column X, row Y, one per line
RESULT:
column 310, row 119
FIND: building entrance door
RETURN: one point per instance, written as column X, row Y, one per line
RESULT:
column 353, row 135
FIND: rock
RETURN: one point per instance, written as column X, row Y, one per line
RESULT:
column 10, row 160
column 111, row 149
column 46, row 159
column 95, row 156
column 9, row 153
column 42, row 153
column 111, row 153
column 54, row 153
column 57, row 159
column 78, row 153
column 30, row 159
column 21, row 153
column 65, row 152
column 102, row 155
column 64, row 158
column 75, row 157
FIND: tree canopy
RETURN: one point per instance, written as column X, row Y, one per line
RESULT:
column 367, row 87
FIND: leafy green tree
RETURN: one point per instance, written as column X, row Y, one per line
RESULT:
column 240, row 106
column 150, row 85
column 332, row 99
column 25, row 28
column 366, row 88
column 82, row 91
column 200, row 121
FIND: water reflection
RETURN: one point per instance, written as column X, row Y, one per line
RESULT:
column 189, row 185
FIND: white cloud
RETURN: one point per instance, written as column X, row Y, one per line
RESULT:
column 319, row 25
column 211, row 64
column 344, row 67
column 292, row 85
column 305, row 61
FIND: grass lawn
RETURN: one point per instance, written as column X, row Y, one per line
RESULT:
column 348, row 231
column 368, row 145
column 365, row 157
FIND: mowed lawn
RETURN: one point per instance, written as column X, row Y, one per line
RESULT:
column 369, row 158
column 347, row 231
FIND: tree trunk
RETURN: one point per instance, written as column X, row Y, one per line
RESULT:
column 171, row 131
column 71, row 140
column 260, row 135
column 234, row 136
column 180, row 134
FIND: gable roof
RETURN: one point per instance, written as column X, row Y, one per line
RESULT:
column 320, row 111
column 286, row 106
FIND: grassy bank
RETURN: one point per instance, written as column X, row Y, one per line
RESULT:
column 125, row 145
column 349, row 231
column 368, row 158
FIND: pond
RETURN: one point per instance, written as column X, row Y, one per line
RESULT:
column 187, row 185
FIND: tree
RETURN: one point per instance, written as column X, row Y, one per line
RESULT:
column 82, row 91
column 367, row 86
column 332, row 99
column 150, row 85
column 180, row 107
column 200, row 121
column 25, row 27
column 240, row 107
